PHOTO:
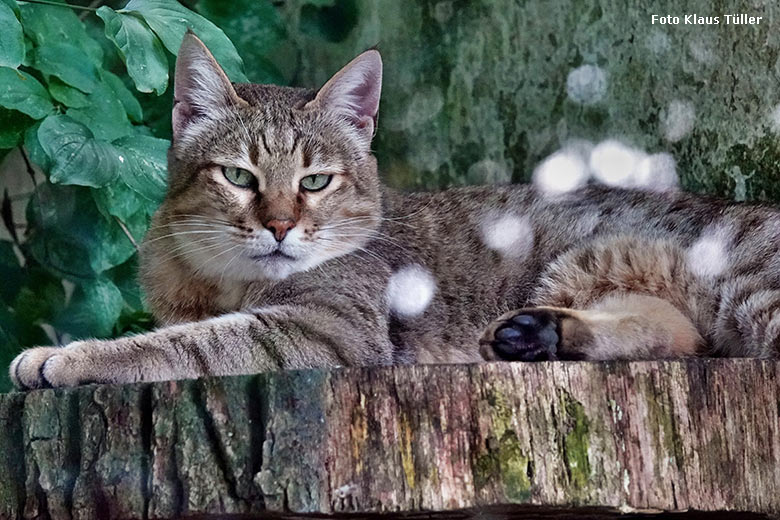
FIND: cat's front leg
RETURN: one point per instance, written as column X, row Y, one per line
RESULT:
column 212, row 347
column 275, row 337
column 75, row 364
column 225, row 345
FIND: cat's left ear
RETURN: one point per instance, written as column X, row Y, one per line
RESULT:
column 354, row 92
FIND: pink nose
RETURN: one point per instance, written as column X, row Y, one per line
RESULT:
column 280, row 228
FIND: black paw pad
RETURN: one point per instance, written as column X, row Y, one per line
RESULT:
column 529, row 336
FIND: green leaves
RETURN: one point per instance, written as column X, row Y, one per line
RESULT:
column 256, row 33
column 71, row 237
column 93, row 309
column 170, row 20
column 11, row 38
column 67, row 95
column 105, row 115
column 132, row 106
column 78, row 158
column 144, row 28
column 48, row 25
column 66, row 62
column 22, row 92
column 139, row 48
column 102, row 149
column 12, row 127
column 145, row 166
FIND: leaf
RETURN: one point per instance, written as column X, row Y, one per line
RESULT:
column 123, row 94
column 94, row 308
column 133, row 322
column 145, row 168
column 20, row 91
column 67, row 95
column 68, row 234
column 11, row 38
column 105, row 116
column 12, row 127
column 13, row 5
column 125, row 276
column 66, row 61
column 157, row 111
column 118, row 200
column 139, row 48
column 114, row 246
column 52, row 25
column 41, row 297
column 34, row 149
column 55, row 221
column 256, row 33
column 170, row 20
column 78, row 158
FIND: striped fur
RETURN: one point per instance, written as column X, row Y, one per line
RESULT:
column 605, row 273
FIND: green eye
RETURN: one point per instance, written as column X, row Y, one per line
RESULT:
column 315, row 182
column 238, row 176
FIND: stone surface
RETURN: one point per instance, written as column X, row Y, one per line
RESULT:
column 482, row 90
column 493, row 441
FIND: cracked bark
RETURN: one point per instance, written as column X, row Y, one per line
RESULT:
column 549, row 440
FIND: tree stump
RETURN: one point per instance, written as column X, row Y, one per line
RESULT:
column 537, row 440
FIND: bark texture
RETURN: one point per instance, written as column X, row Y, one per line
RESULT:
column 505, row 440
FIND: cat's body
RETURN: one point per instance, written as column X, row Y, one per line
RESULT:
column 322, row 267
column 444, row 234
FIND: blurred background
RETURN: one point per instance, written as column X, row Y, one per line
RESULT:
column 475, row 91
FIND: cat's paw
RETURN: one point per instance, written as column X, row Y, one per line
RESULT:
column 46, row 367
column 523, row 335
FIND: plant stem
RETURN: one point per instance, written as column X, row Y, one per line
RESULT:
column 58, row 4
column 30, row 169
column 127, row 232
column 93, row 5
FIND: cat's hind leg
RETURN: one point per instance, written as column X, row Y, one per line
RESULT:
column 620, row 326
column 620, row 298
column 748, row 320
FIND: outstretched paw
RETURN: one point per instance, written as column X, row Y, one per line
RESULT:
column 45, row 367
column 523, row 335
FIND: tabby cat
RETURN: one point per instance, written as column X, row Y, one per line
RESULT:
column 277, row 248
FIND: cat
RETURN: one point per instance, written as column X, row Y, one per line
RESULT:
column 277, row 247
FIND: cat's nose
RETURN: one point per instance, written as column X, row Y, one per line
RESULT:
column 280, row 228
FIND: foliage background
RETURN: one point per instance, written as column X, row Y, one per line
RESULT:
column 474, row 91
column 85, row 101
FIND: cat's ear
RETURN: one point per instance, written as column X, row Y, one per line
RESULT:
column 200, row 87
column 354, row 91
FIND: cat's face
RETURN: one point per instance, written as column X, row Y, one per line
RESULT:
column 267, row 181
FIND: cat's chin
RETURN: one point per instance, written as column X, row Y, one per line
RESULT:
column 257, row 267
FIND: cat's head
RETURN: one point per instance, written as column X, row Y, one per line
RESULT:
column 266, row 181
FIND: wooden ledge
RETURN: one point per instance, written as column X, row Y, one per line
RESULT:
column 564, row 439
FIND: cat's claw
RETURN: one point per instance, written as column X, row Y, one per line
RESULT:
column 523, row 335
column 43, row 367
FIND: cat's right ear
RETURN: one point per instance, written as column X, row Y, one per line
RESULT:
column 200, row 87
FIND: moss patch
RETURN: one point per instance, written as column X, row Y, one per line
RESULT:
column 503, row 459
column 576, row 442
